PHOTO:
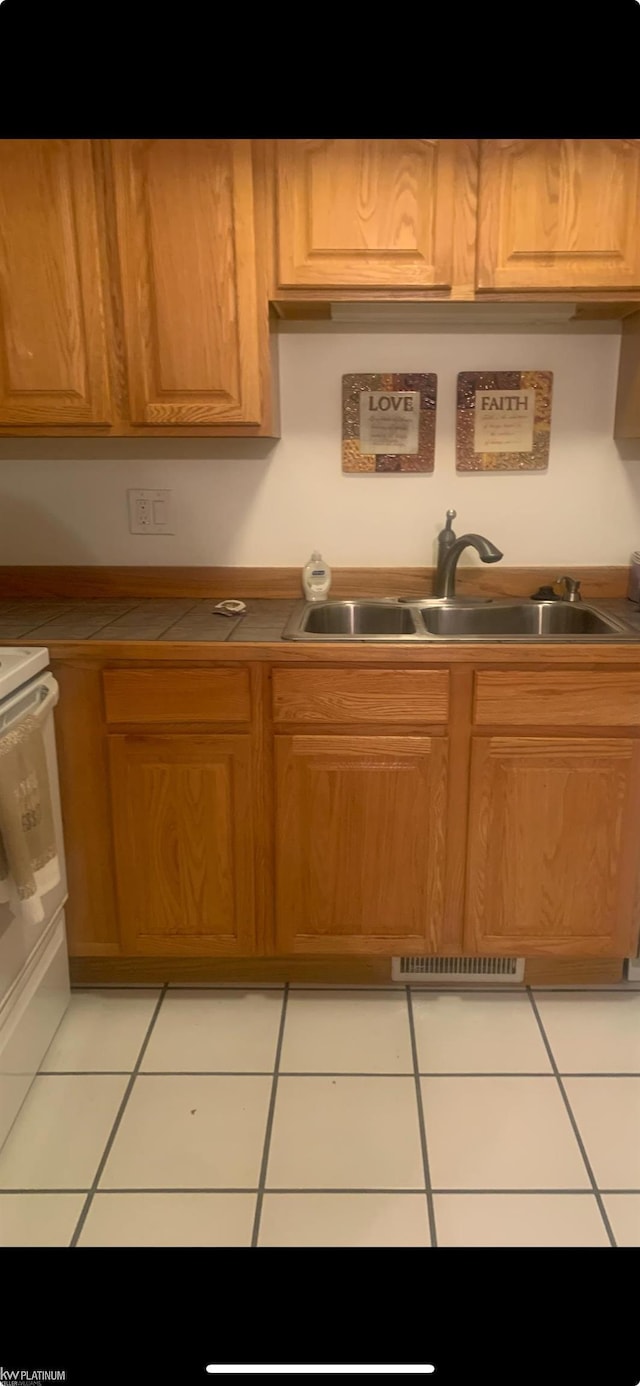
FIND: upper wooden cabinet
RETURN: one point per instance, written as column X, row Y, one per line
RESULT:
column 559, row 215
column 194, row 329
column 53, row 352
column 133, row 289
column 368, row 214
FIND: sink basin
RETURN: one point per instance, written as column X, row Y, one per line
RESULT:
column 432, row 619
column 516, row 619
column 358, row 619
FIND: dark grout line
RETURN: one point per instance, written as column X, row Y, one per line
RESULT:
column 226, row 986
column 619, row 989
column 269, row 1127
column 572, row 1119
column 116, row 1125
column 43, row 1191
column 117, row 986
column 395, row 987
column 84, row 1073
column 503, row 1073
column 339, row 1073
column 214, row 1189
column 424, row 988
column 179, row 1189
column 537, row 1193
column 206, row 1073
column 431, row 1212
column 468, row 990
column 177, row 986
column 328, row 1190
column 315, row 1073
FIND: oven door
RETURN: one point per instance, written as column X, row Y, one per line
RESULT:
column 19, row 939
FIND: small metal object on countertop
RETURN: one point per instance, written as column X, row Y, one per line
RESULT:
column 572, row 591
column 230, row 607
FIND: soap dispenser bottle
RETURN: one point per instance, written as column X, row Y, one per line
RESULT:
column 316, row 578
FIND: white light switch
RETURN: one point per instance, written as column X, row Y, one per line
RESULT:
column 150, row 512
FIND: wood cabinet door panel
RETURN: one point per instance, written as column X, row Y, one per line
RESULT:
column 552, row 860
column 559, row 214
column 53, row 352
column 187, row 258
column 183, row 831
column 365, row 213
column 360, row 843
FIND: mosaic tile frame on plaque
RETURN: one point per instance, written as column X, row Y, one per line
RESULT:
column 513, row 433
column 389, row 423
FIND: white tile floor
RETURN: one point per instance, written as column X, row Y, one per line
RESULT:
column 331, row 1117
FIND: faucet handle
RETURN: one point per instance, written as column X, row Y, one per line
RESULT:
column 451, row 515
column 571, row 589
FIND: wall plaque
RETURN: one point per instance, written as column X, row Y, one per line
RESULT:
column 388, row 423
column 503, row 421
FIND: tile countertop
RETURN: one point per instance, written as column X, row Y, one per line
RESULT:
column 179, row 619
column 43, row 622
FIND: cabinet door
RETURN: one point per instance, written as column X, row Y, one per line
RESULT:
column 187, row 256
column 360, row 843
column 366, row 213
column 182, row 821
column 559, row 214
column 53, row 353
column 552, row 861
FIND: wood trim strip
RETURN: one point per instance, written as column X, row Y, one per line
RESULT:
column 116, row 653
column 363, row 971
column 141, row 581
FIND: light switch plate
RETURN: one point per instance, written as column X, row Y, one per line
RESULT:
column 150, row 512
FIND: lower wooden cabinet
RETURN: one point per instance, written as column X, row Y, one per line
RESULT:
column 552, row 860
column 360, row 843
column 184, row 843
column 230, row 838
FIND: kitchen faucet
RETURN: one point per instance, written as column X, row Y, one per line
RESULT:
column 449, row 550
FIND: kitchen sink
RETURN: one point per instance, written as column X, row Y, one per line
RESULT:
column 528, row 619
column 357, row 620
column 414, row 621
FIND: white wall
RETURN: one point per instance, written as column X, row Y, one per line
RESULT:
column 257, row 503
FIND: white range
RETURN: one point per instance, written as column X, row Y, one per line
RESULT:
column 34, row 970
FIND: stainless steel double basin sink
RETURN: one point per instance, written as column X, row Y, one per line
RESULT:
column 412, row 622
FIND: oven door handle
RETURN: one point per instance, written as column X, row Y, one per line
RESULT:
column 35, row 702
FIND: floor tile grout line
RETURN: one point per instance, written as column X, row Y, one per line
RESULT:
column 116, row 1124
column 324, row 1073
column 536, row 1193
column 303, row 1189
column 262, row 1178
column 622, row 988
column 572, row 1119
column 431, row 1212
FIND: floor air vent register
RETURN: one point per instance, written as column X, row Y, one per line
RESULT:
column 456, row 970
